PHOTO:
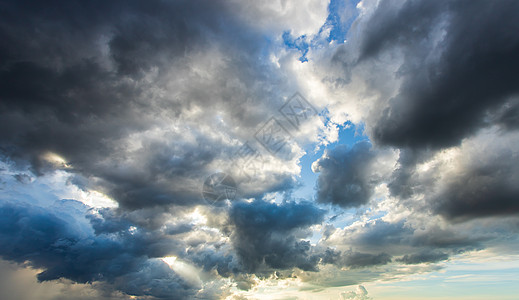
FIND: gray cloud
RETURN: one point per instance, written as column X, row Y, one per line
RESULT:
column 377, row 242
column 450, row 80
column 355, row 259
column 343, row 179
column 478, row 181
column 487, row 188
column 380, row 235
column 347, row 177
column 423, row 257
column 268, row 234
column 403, row 182
column 98, row 100
column 50, row 242
column 141, row 101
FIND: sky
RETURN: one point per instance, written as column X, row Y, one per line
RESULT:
column 247, row 149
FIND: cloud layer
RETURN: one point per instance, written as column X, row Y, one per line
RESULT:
column 112, row 114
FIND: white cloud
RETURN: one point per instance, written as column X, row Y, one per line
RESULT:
column 300, row 17
column 359, row 294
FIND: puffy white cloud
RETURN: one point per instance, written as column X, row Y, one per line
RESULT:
column 359, row 294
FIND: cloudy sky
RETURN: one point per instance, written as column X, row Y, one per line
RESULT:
column 368, row 148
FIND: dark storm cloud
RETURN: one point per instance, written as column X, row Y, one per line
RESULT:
column 346, row 177
column 423, row 257
column 358, row 260
column 507, row 116
column 73, row 82
column 210, row 259
column 377, row 242
column 403, row 182
column 435, row 237
column 178, row 229
column 353, row 259
column 450, row 81
column 106, row 220
column 58, row 95
column 269, row 234
column 147, row 239
column 458, row 74
column 479, row 183
column 486, row 189
column 140, row 99
column 143, row 99
column 379, row 235
column 141, row 35
column 123, row 260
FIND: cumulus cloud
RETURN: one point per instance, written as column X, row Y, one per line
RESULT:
column 355, row 259
column 359, row 294
column 126, row 106
column 423, row 257
column 428, row 83
column 114, row 113
column 48, row 242
column 271, row 235
column 453, row 71
column 480, row 180
column 413, row 239
column 348, row 176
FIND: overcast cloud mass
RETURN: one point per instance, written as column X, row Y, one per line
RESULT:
column 404, row 164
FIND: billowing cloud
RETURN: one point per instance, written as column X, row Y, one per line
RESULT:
column 479, row 178
column 142, row 106
column 355, row 259
column 423, row 257
column 50, row 243
column 348, row 177
column 359, row 294
column 429, row 83
column 113, row 114
column 270, row 234
column 453, row 72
